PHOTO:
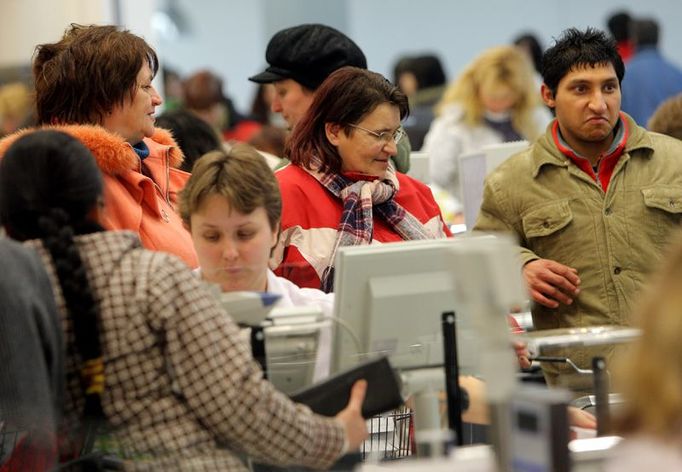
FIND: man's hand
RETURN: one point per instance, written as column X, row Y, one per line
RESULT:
column 551, row 283
column 581, row 419
column 522, row 354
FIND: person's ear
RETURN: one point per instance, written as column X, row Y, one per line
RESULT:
column 547, row 96
column 96, row 212
column 333, row 131
column 275, row 235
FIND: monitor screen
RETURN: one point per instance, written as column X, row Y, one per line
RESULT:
column 391, row 297
column 473, row 169
column 419, row 167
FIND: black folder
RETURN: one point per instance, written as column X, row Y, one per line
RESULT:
column 331, row 396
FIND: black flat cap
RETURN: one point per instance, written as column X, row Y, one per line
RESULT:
column 308, row 54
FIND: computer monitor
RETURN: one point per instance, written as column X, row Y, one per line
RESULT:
column 474, row 167
column 392, row 296
column 419, row 166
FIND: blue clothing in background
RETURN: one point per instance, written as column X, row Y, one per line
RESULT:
column 649, row 80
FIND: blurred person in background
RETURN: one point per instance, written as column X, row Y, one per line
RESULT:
column 16, row 107
column 422, row 79
column 270, row 141
column 667, row 119
column 494, row 100
column 530, row 45
column 194, row 136
column 650, row 78
column 172, row 89
column 261, row 107
column 31, row 363
column 620, row 27
column 532, row 48
column 203, row 94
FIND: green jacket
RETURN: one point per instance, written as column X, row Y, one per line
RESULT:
column 614, row 239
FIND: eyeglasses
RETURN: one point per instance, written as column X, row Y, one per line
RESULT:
column 385, row 136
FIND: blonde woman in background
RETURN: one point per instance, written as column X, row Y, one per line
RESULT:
column 493, row 101
column 16, row 105
column 650, row 378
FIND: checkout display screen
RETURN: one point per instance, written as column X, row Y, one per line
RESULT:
column 527, row 421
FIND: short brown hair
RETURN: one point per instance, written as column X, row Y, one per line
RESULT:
column 345, row 98
column 241, row 175
column 87, row 73
column 202, row 90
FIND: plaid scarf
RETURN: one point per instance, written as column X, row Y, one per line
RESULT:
column 361, row 199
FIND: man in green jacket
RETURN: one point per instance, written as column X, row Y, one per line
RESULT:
column 593, row 202
column 299, row 59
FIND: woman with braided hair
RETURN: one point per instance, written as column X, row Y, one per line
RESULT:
column 149, row 354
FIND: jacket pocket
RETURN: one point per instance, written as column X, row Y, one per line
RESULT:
column 547, row 219
column 666, row 198
column 663, row 214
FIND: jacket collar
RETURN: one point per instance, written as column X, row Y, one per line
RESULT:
column 544, row 151
column 113, row 154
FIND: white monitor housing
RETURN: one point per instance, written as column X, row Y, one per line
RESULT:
column 473, row 169
column 393, row 295
column 419, row 166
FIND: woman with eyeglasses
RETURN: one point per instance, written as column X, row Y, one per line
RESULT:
column 341, row 188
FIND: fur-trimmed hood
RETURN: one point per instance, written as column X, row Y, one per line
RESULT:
column 112, row 153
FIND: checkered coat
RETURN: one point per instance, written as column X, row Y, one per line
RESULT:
column 182, row 390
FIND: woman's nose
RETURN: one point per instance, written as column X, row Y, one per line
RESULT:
column 156, row 98
column 230, row 251
column 390, row 147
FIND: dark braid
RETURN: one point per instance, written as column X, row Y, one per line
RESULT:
column 57, row 237
column 49, row 184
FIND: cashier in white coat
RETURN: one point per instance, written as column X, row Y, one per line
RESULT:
column 231, row 205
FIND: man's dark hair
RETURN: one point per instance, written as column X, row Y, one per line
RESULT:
column 576, row 49
column 427, row 69
column 645, row 32
column 619, row 25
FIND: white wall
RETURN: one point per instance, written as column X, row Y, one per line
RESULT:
column 230, row 36
column 236, row 32
column 27, row 23
column 459, row 31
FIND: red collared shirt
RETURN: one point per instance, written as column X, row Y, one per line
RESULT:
column 607, row 162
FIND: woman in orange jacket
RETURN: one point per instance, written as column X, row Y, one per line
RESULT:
column 95, row 84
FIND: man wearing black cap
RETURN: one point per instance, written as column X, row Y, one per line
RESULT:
column 299, row 59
